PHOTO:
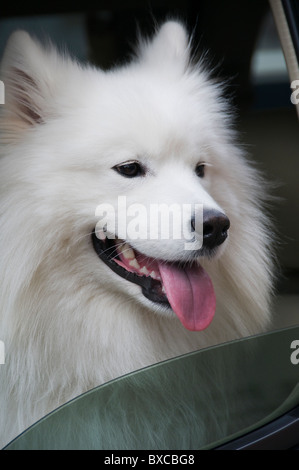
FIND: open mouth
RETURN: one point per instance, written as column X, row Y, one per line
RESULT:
column 186, row 288
column 132, row 266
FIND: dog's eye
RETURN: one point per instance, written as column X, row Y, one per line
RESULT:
column 200, row 170
column 129, row 169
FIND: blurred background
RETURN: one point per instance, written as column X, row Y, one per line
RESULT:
column 240, row 40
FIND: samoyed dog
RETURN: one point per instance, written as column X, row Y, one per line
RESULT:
column 83, row 298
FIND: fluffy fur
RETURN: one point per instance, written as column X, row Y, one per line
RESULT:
column 68, row 322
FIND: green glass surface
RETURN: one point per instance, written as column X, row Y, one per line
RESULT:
column 195, row 401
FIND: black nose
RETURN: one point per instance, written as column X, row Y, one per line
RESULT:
column 215, row 227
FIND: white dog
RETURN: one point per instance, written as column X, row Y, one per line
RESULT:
column 80, row 304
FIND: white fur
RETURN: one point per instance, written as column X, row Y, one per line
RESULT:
column 67, row 321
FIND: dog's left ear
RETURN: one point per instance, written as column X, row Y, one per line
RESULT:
column 170, row 45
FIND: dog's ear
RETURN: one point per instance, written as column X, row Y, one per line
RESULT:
column 29, row 73
column 169, row 46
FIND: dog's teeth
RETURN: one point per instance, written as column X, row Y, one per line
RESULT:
column 144, row 270
column 153, row 274
column 163, row 290
column 127, row 252
column 134, row 263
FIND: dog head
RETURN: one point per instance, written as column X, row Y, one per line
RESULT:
column 134, row 170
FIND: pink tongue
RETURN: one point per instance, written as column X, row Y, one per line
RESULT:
column 190, row 293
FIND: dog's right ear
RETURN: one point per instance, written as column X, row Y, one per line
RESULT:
column 29, row 73
column 169, row 49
